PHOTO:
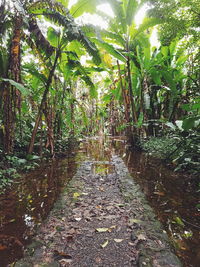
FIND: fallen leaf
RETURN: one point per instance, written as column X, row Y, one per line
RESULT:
column 102, row 230
column 98, row 260
column 132, row 221
column 3, row 247
column 12, row 220
column 76, row 194
column 78, row 219
column 141, row 237
column 61, row 255
column 104, row 244
column 65, row 261
column 118, row 240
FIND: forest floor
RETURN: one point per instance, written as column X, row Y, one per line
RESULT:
column 101, row 219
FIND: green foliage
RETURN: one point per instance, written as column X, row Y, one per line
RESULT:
column 160, row 147
column 161, row 85
column 7, row 177
column 19, row 86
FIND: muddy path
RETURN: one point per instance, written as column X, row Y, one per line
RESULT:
column 101, row 219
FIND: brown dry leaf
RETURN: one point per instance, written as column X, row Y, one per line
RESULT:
column 63, row 262
column 2, row 247
column 98, row 260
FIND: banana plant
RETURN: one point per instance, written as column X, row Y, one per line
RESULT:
column 47, row 48
column 158, row 81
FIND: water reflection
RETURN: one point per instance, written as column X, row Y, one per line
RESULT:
column 28, row 203
column 173, row 197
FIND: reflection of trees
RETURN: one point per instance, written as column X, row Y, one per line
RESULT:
column 31, row 200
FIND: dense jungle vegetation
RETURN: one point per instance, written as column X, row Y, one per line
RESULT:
column 76, row 68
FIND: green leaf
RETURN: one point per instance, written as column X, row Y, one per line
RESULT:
column 164, row 51
column 147, row 23
column 19, row 86
column 172, row 47
column 110, row 49
column 107, row 98
column 65, row 3
column 83, row 6
column 179, row 221
column 130, row 11
column 53, row 36
column 190, row 123
column 147, row 56
column 140, row 119
column 156, row 77
column 182, row 59
column 191, row 107
column 113, row 37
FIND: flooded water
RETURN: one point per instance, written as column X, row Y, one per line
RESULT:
column 29, row 202
column 171, row 195
column 174, row 198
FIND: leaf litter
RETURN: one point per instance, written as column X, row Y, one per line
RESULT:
column 100, row 228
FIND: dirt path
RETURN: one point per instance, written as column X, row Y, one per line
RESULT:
column 102, row 219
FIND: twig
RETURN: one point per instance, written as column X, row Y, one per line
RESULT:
column 191, row 223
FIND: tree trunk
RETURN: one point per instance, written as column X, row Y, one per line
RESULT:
column 133, row 109
column 11, row 96
column 49, row 116
column 44, row 98
column 125, row 96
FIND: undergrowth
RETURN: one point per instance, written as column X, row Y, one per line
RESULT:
column 182, row 149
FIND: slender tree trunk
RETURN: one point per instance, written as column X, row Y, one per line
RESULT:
column 11, row 96
column 125, row 96
column 49, row 116
column 132, row 135
column 133, row 109
column 44, row 98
